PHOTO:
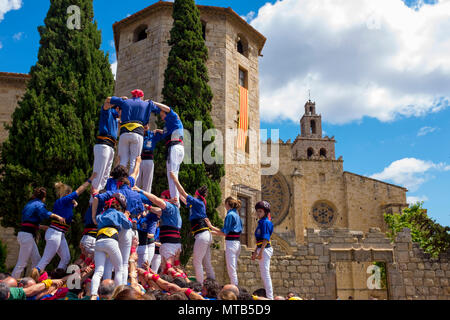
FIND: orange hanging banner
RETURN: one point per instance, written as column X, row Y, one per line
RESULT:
column 243, row 118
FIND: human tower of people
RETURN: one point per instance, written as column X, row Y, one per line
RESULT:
column 125, row 220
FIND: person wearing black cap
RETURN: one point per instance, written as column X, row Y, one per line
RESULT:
column 109, row 223
column 264, row 251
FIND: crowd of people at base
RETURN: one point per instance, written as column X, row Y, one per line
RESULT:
column 131, row 236
column 164, row 288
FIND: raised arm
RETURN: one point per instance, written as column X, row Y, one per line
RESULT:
column 178, row 185
column 163, row 107
column 84, row 186
column 154, row 199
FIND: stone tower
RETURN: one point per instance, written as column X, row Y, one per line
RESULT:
column 234, row 47
column 311, row 144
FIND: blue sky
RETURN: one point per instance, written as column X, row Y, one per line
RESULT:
column 398, row 140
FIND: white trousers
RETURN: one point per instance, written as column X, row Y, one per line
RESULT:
column 103, row 161
column 232, row 252
column 130, row 147
column 28, row 250
column 55, row 244
column 264, row 268
column 106, row 248
column 88, row 244
column 202, row 256
column 169, row 250
column 156, row 263
column 173, row 165
column 145, row 178
column 145, row 253
column 125, row 242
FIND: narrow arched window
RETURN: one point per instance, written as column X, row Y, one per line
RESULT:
column 313, row 127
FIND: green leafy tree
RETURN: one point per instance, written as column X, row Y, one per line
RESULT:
column 432, row 237
column 186, row 90
column 54, row 126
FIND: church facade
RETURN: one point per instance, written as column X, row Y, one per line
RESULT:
column 312, row 190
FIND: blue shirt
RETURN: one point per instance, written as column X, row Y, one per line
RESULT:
column 232, row 223
column 157, row 234
column 134, row 202
column 170, row 216
column 148, row 223
column 264, row 229
column 113, row 218
column 108, row 123
column 134, row 109
column 35, row 211
column 111, row 184
column 88, row 215
column 63, row 207
column 150, row 141
column 173, row 128
column 197, row 209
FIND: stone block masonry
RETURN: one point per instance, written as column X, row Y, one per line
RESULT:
column 311, row 269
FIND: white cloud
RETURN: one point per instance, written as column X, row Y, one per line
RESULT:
column 8, row 5
column 415, row 199
column 18, row 36
column 114, row 68
column 249, row 16
column 426, row 130
column 410, row 172
column 360, row 58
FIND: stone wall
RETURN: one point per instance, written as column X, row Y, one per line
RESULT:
column 310, row 269
column 12, row 88
column 424, row 278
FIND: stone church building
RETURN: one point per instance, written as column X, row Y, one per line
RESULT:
column 329, row 226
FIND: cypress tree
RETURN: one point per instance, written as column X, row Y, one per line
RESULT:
column 186, row 90
column 54, row 126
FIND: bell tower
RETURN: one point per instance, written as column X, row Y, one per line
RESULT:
column 311, row 145
column 311, row 122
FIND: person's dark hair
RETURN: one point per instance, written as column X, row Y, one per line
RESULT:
column 106, row 290
column 39, row 193
column 167, row 278
column 159, row 295
column 180, row 282
column 244, row 294
column 3, row 276
column 177, row 296
column 203, row 191
column 260, row 293
column 58, row 273
column 212, row 288
column 119, row 172
column 195, row 285
column 128, row 293
column 4, row 291
column 233, row 203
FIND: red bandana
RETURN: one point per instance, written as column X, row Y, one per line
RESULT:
column 201, row 197
column 137, row 93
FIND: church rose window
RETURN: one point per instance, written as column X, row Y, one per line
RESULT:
column 323, row 214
